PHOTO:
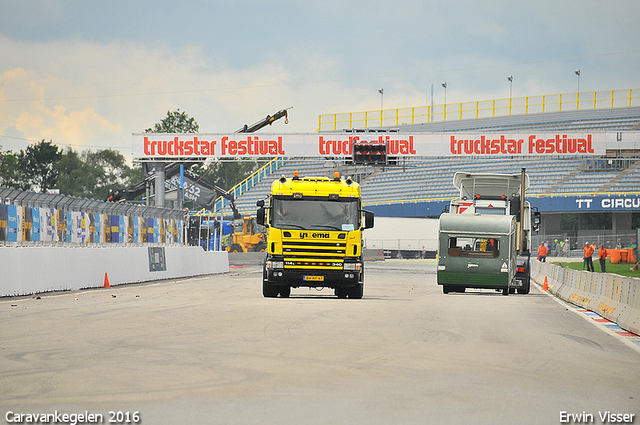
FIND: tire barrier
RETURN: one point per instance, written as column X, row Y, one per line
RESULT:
column 614, row 297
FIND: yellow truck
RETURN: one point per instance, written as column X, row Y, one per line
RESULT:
column 314, row 237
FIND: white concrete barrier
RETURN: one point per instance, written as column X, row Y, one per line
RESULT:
column 614, row 297
column 247, row 258
column 31, row 270
column 373, row 254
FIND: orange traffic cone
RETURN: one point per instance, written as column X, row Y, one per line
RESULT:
column 106, row 280
column 545, row 285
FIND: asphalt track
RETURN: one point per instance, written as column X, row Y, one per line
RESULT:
column 213, row 350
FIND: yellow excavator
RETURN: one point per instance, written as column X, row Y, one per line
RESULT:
column 247, row 236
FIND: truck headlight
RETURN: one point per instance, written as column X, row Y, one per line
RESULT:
column 275, row 264
column 352, row 266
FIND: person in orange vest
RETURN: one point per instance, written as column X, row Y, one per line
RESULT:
column 602, row 256
column 588, row 252
column 542, row 253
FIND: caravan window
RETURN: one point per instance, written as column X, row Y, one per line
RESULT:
column 473, row 247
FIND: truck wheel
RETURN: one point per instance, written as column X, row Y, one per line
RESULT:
column 285, row 291
column 236, row 248
column 445, row 289
column 356, row 292
column 505, row 291
column 525, row 288
column 341, row 293
column 261, row 247
column 512, row 290
column 269, row 291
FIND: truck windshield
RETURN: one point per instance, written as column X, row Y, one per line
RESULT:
column 315, row 214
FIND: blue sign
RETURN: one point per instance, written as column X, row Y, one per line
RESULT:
column 607, row 203
column 12, row 223
column 612, row 203
column 36, row 224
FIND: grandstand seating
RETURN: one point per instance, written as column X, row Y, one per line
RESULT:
column 431, row 178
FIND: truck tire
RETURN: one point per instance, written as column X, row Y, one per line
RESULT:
column 445, row 289
column 525, row 288
column 356, row 292
column 527, row 285
column 285, row 291
column 505, row 291
column 269, row 291
column 236, row 248
column 261, row 247
column 341, row 293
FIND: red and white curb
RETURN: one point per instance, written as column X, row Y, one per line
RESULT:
column 628, row 338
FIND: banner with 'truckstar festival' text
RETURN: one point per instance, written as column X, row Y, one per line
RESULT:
column 166, row 146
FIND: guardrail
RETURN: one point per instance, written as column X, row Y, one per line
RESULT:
column 480, row 109
column 41, row 219
column 614, row 297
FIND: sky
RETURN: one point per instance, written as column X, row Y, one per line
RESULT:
column 87, row 74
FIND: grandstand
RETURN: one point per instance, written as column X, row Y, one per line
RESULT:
column 430, row 178
column 422, row 187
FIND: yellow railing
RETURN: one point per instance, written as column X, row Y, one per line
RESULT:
column 480, row 109
column 249, row 182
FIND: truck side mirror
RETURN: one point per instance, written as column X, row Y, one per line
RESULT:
column 260, row 203
column 368, row 220
column 536, row 220
column 260, row 215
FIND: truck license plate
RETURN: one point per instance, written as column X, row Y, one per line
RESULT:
column 315, row 278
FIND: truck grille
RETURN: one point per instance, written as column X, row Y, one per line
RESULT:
column 313, row 255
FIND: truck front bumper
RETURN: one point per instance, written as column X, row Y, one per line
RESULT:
column 313, row 278
column 277, row 273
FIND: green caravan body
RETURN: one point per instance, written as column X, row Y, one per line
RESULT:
column 314, row 238
column 501, row 194
column 477, row 251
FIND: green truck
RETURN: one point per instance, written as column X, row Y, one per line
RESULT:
column 477, row 251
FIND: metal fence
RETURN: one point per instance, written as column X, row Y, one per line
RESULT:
column 481, row 109
column 41, row 219
column 610, row 240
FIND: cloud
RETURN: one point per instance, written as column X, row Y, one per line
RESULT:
column 73, row 128
column 23, row 109
column 92, row 84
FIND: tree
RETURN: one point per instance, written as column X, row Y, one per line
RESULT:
column 95, row 174
column 9, row 170
column 175, row 122
column 74, row 178
column 38, row 166
column 110, row 171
